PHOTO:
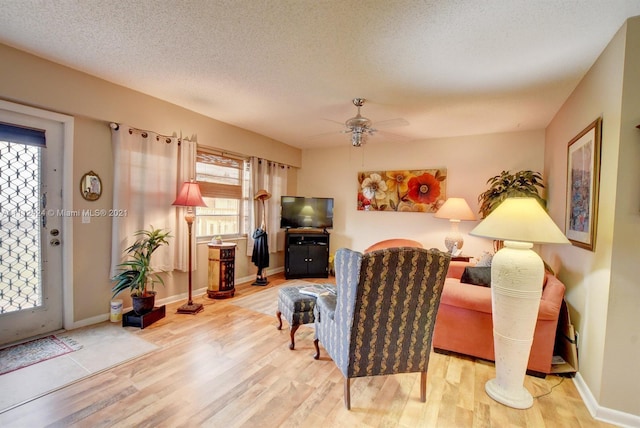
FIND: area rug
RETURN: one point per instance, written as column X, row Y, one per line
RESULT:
column 104, row 346
column 265, row 301
column 34, row 351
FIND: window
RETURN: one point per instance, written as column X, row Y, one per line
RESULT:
column 223, row 182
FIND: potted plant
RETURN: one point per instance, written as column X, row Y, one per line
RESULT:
column 505, row 185
column 136, row 274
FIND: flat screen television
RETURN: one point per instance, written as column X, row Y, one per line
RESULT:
column 298, row 212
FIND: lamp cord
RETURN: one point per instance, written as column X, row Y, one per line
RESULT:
column 551, row 389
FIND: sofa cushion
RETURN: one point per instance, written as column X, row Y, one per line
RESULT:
column 391, row 243
column 478, row 299
column 456, row 268
column 477, row 275
column 485, row 259
column 466, row 297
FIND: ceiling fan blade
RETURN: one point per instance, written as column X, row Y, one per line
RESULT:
column 391, row 123
column 334, row 121
column 326, row 134
column 394, row 137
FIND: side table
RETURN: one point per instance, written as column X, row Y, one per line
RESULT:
column 460, row 258
column 221, row 270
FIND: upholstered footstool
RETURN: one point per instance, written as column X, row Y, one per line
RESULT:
column 297, row 309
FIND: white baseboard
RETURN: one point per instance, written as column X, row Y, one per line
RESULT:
column 600, row 413
column 164, row 301
column 87, row 321
column 252, row 278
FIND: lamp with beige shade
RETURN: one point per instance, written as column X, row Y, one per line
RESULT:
column 455, row 210
column 517, row 275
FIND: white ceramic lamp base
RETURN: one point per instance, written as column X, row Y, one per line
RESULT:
column 517, row 273
column 454, row 237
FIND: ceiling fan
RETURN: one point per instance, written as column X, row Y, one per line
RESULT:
column 361, row 127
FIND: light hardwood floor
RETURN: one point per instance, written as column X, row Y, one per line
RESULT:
column 229, row 366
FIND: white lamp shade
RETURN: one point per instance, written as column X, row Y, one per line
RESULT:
column 520, row 219
column 455, row 209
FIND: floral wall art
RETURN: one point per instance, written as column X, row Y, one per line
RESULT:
column 422, row 190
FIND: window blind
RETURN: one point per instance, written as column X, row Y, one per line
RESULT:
column 22, row 135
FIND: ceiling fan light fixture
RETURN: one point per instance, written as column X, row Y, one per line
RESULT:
column 359, row 125
column 356, row 137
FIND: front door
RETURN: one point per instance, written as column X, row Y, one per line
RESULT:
column 31, row 298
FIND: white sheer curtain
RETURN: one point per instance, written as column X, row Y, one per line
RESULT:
column 144, row 184
column 272, row 177
column 186, row 171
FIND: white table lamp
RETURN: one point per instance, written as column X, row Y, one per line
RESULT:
column 455, row 210
column 517, row 274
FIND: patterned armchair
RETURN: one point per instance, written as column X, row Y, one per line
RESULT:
column 381, row 320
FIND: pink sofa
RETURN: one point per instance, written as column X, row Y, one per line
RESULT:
column 390, row 243
column 464, row 324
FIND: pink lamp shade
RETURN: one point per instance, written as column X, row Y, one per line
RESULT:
column 189, row 196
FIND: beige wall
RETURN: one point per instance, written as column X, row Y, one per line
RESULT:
column 602, row 288
column 94, row 103
column 621, row 382
column 469, row 161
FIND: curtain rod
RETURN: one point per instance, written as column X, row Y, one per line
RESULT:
column 168, row 138
column 239, row 156
column 220, row 152
column 116, row 126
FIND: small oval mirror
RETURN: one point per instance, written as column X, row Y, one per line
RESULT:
column 91, row 186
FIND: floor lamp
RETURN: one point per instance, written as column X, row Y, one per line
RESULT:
column 455, row 209
column 190, row 197
column 517, row 273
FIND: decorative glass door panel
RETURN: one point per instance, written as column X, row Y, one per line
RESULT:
column 20, row 237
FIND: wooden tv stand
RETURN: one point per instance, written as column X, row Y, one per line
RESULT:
column 306, row 253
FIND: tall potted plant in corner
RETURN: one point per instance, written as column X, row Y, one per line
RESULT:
column 522, row 183
column 136, row 274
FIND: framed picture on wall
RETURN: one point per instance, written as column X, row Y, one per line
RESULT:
column 421, row 190
column 583, row 184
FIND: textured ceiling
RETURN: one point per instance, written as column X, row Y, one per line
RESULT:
column 288, row 69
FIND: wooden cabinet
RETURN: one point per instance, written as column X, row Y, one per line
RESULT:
column 306, row 254
column 221, row 270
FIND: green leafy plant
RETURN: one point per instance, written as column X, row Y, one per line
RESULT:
column 522, row 183
column 135, row 272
